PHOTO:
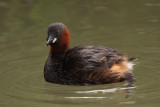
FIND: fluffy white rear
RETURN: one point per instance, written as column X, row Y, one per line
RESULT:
column 130, row 65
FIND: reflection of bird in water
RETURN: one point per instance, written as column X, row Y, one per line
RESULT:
column 83, row 65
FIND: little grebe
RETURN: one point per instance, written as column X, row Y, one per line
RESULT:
column 83, row 65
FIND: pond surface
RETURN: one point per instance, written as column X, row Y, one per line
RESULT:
column 130, row 26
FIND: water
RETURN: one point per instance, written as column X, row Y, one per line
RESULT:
column 131, row 26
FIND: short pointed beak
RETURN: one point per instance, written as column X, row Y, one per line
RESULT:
column 48, row 42
column 51, row 41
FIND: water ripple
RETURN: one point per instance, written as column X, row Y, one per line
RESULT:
column 113, row 90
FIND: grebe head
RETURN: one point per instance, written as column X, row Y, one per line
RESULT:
column 58, row 38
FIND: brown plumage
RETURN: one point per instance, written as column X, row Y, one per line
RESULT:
column 83, row 65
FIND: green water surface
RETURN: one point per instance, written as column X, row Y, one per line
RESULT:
column 130, row 26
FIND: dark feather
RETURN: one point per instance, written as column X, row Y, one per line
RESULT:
column 80, row 62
